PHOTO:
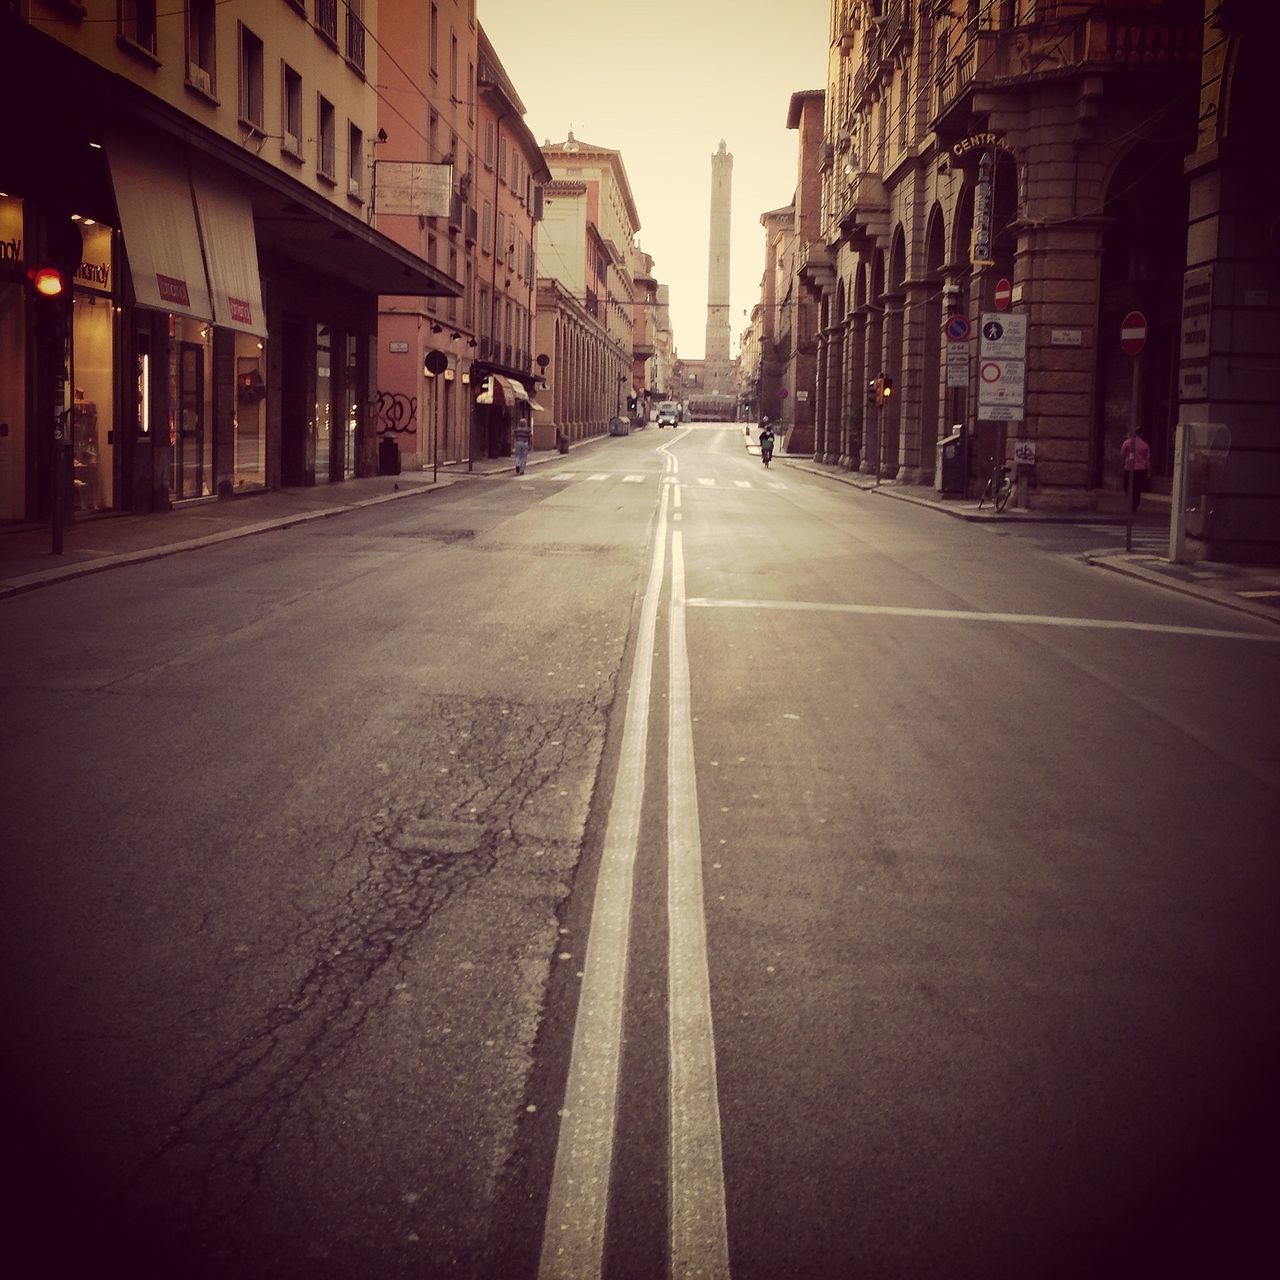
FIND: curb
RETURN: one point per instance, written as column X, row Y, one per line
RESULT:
column 51, row 577
column 1112, row 563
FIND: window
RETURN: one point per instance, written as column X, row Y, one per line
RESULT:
column 355, row 34
column 502, row 159
column 433, row 125
column 432, row 302
column 453, row 70
column 355, row 161
column 136, row 23
column 471, row 92
column 325, row 132
column 291, row 110
column 327, row 19
column 251, row 82
column 201, row 45
column 453, row 275
column 466, row 297
column 433, row 47
column 483, row 318
column 500, row 249
column 488, row 144
column 486, row 228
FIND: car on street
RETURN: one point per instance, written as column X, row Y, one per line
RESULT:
column 668, row 414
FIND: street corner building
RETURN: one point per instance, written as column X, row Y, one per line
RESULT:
column 200, row 180
column 1037, row 225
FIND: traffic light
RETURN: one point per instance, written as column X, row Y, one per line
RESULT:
column 49, row 294
column 886, row 389
column 873, row 391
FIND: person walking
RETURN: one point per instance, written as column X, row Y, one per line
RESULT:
column 766, row 443
column 523, row 438
column 1135, row 458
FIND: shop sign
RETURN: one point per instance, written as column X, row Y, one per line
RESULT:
column 965, row 148
column 94, row 271
column 173, row 290
column 11, row 247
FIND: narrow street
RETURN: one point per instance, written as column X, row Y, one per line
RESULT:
column 649, row 865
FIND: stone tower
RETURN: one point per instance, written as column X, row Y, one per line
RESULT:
column 718, row 325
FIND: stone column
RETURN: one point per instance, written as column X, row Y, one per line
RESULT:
column 909, row 388
column 1057, row 268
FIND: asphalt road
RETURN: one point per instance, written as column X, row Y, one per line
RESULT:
column 650, row 858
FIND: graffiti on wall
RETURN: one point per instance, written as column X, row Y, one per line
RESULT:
column 396, row 413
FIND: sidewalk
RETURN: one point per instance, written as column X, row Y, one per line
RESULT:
column 1251, row 589
column 94, row 543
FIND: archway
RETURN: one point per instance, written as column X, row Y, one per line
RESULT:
column 1143, row 259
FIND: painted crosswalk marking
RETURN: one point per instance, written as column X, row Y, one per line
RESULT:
column 633, row 479
column 743, row 484
column 706, row 481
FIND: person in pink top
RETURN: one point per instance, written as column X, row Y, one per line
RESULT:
column 1135, row 458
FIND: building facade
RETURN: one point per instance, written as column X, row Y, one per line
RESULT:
column 461, row 180
column 585, row 277
column 203, row 175
column 1027, row 162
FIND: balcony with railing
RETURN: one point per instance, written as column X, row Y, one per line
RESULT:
column 355, row 41
column 1114, row 41
column 327, row 19
column 895, row 27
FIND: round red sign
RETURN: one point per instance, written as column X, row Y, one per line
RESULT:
column 1004, row 294
column 1133, row 333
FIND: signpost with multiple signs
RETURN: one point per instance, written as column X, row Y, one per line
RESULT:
column 1002, row 366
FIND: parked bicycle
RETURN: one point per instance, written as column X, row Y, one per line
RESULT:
column 999, row 487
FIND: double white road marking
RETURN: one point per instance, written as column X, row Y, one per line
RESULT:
column 577, row 1210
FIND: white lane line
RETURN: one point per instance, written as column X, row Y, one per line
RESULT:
column 966, row 615
column 573, row 1235
column 633, row 479
column 707, row 481
column 599, row 475
column 743, row 484
column 699, row 1232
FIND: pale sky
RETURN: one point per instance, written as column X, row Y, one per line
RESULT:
column 662, row 82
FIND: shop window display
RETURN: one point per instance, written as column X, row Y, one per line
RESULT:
column 190, row 409
column 92, row 424
column 324, row 402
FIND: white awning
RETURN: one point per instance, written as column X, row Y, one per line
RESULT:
column 158, row 218
column 499, row 389
column 230, row 253
column 535, row 406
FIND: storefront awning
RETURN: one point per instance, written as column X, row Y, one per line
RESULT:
column 230, row 252
column 499, row 389
column 535, row 406
column 158, row 218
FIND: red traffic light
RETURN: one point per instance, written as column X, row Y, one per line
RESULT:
column 47, row 281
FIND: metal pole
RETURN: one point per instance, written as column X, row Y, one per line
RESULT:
column 1133, row 456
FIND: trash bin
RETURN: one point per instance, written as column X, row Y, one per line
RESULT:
column 388, row 457
column 619, row 426
column 949, row 467
column 562, row 441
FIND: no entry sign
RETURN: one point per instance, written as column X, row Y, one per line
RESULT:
column 1133, row 333
column 1004, row 293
